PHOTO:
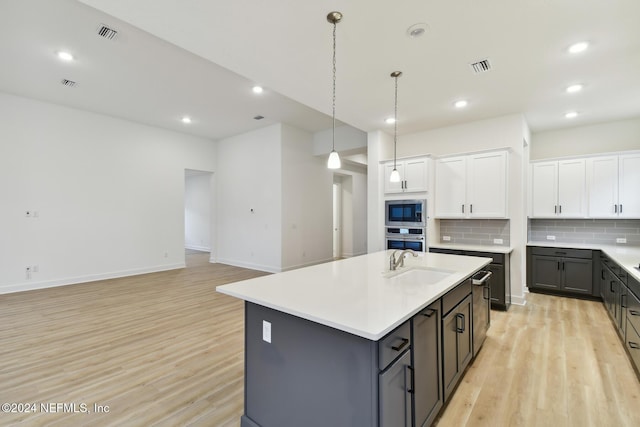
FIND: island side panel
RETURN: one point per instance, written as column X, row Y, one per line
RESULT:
column 309, row 375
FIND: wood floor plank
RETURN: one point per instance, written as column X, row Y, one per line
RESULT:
column 165, row 349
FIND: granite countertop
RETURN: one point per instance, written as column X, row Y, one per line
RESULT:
column 476, row 248
column 356, row 295
column 628, row 257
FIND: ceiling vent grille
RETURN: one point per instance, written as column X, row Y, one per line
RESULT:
column 480, row 67
column 258, row 118
column 68, row 83
column 106, row 32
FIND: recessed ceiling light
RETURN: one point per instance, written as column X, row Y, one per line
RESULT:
column 578, row 47
column 461, row 103
column 65, row 56
column 574, row 88
column 389, row 120
column 186, row 120
column 571, row 115
column 417, row 30
column 257, row 89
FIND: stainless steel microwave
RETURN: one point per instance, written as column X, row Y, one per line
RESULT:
column 405, row 213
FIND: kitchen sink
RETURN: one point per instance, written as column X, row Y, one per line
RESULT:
column 419, row 275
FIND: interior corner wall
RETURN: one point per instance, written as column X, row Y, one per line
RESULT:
column 249, row 200
column 106, row 196
column 379, row 148
column 620, row 135
column 307, row 214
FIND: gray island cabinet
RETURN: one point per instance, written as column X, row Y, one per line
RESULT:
column 378, row 360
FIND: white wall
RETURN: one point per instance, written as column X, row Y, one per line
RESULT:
column 109, row 194
column 347, row 138
column 197, row 210
column 607, row 137
column 354, row 213
column 306, row 202
column 502, row 132
column 249, row 177
column 379, row 147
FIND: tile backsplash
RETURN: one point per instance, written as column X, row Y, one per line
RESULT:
column 475, row 231
column 601, row 231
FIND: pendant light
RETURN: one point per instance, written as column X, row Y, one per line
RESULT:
column 395, row 175
column 334, row 159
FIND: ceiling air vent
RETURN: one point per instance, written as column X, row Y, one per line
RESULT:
column 106, row 32
column 481, row 66
column 68, row 83
column 258, row 118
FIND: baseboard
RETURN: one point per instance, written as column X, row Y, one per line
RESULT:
column 251, row 266
column 8, row 289
column 198, row 248
column 351, row 255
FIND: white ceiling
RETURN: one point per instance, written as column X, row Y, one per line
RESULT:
column 285, row 45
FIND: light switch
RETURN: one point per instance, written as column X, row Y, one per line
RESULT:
column 266, row 331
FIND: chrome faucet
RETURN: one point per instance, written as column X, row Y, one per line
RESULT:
column 399, row 262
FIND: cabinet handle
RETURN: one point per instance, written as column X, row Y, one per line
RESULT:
column 460, row 329
column 633, row 345
column 405, row 342
column 555, row 209
column 634, row 312
column 558, row 268
column 463, row 208
column 471, row 208
column 560, row 253
column 611, row 286
column 620, row 208
column 430, row 313
column 562, row 265
column 560, row 209
column 602, row 274
column 615, row 208
column 412, row 380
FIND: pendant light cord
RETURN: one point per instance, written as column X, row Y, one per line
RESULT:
column 333, row 134
column 395, row 123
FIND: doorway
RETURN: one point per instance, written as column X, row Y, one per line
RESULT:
column 337, row 217
column 198, row 186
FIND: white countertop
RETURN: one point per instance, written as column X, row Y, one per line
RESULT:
column 477, row 248
column 628, row 257
column 353, row 295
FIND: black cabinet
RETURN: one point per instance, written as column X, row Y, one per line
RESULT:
column 427, row 347
column 559, row 270
column 457, row 344
column 615, row 293
column 500, row 280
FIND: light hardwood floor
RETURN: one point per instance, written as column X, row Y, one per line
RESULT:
column 165, row 349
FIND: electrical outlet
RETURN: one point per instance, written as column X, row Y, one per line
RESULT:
column 28, row 214
column 446, row 238
column 551, row 237
column 27, row 272
column 266, row 331
column 621, row 240
column 498, row 241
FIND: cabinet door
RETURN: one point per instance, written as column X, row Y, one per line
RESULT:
column 629, row 181
column 544, row 195
column 415, row 175
column 546, row 272
column 394, row 392
column 487, row 185
column 393, row 187
column 577, row 275
column 602, row 187
column 498, row 292
column 571, row 188
column 427, row 347
column 456, row 344
column 451, row 181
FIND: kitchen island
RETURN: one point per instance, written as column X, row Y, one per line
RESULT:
column 337, row 343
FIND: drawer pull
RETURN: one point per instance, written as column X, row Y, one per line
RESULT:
column 634, row 312
column 634, row 345
column 412, row 387
column 401, row 346
column 560, row 253
column 430, row 312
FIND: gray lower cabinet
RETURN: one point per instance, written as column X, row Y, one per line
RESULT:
column 427, row 347
column 559, row 270
column 457, row 346
column 395, row 393
column 500, row 267
column 614, row 292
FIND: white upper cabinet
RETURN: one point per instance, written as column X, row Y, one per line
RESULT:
column 472, row 186
column 413, row 176
column 613, row 184
column 558, row 189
